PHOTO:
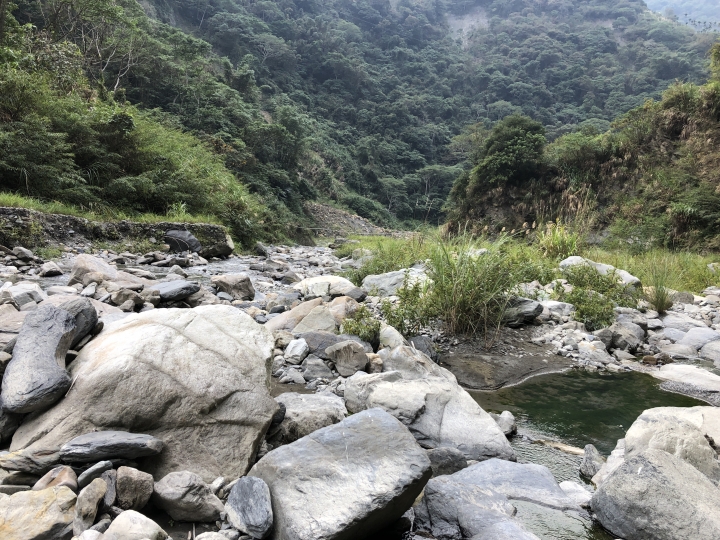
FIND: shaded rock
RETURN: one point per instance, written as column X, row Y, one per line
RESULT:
column 180, row 241
column 171, row 291
column 36, row 378
column 132, row 525
column 446, row 460
column 657, row 496
column 592, row 461
column 249, row 507
column 167, row 369
column 425, row 345
column 87, row 505
column 306, row 413
column 185, row 497
column 85, row 315
column 627, row 336
column 238, row 286
column 315, row 368
column 349, row 357
column 99, row 445
column 110, row 479
column 348, row 480
column 46, row 514
column 133, row 488
column 318, row 342
column 521, row 311
column 9, row 422
column 59, row 476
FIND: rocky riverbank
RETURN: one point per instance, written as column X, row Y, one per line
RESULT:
column 141, row 385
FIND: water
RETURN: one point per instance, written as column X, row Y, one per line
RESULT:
column 575, row 408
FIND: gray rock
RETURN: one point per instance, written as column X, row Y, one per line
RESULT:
column 185, row 497
column 673, row 334
column 699, row 337
column 679, row 352
column 349, row 357
column 320, row 319
column 657, row 496
column 100, row 445
column 133, row 488
column 627, row 336
column 166, row 371
column 133, row 525
column 306, row 413
column 238, row 286
column 506, row 422
column 87, row 264
column 86, row 317
column 711, row 351
column 315, row 368
column 680, row 321
column 46, row 514
column 425, row 345
column 388, row 284
column 446, row 460
column 296, row 351
column 50, row 269
column 110, row 479
column 344, row 481
column 327, row 285
column 9, row 422
column 249, row 507
column 171, row 291
column 87, row 505
column 577, row 493
column 26, row 293
column 603, row 269
column 521, row 311
column 94, row 472
column 22, row 253
column 59, row 476
column 180, row 241
column 592, row 461
column 36, row 378
column 318, row 342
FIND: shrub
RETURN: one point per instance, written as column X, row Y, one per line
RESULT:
column 594, row 310
column 586, row 277
column 363, row 325
column 411, row 312
column 558, row 241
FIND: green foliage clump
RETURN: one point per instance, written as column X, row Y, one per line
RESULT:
column 411, row 312
column 584, row 276
column 558, row 241
column 592, row 309
column 363, row 325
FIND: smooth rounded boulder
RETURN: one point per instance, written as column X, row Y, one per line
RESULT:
column 166, row 373
column 345, row 481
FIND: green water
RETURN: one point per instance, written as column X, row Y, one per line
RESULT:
column 576, row 408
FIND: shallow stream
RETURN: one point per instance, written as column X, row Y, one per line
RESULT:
column 575, row 408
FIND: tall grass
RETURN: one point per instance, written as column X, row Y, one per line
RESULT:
column 657, row 291
column 558, row 240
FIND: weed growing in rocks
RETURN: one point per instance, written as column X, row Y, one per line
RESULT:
column 363, row 325
column 411, row 311
column 558, row 241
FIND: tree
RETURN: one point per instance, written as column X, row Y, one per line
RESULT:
column 4, row 4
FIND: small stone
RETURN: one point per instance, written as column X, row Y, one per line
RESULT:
column 94, row 472
column 446, row 460
column 59, row 476
column 87, row 505
column 249, row 508
column 296, row 351
column 592, row 461
column 134, row 488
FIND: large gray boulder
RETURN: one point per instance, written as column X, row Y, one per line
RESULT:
column 345, row 481
column 87, row 264
column 185, row 497
column 388, row 284
column 172, row 291
column 85, row 315
column 180, row 241
column 429, row 401
column 657, row 496
column 452, row 508
column 165, row 373
column 36, row 377
column 306, row 413
column 698, row 337
column 626, row 335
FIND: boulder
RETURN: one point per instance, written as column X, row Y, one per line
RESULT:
column 26, row 292
column 87, row 264
column 59, row 476
column 676, row 351
column 680, row 321
column 657, row 496
column 690, row 375
column 521, row 311
column 315, row 368
column 614, row 460
column 306, row 413
column 290, row 319
column 166, row 372
column 627, row 336
column 41, row 515
column 320, row 319
column 36, row 378
column 446, row 460
column 711, row 351
column 132, row 525
column 592, row 461
column 390, row 337
column 249, row 507
column 50, row 269
column 427, row 399
column 388, row 284
column 87, row 505
column 328, row 285
column 577, row 493
column 506, row 422
column 172, row 291
column 180, row 241
column 133, row 488
column 698, row 337
column 603, row 269
column 109, row 444
column 238, row 286
column 342, row 307
column 85, row 315
column 344, row 481
column 425, row 345
column 318, row 342
column 349, row 357
column 185, row 497
column 296, row 351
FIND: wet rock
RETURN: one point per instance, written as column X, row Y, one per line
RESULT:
column 132, row 525
column 99, row 445
column 133, row 488
column 592, row 461
column 249, row 507
column 446, row 460
column 657, row 496
column 180, row 241
column 348, row 480
column 46, row 514
column 87, row 505
column 306, row 413
column 349, row 357
column 238, row 286
column 167, row 369
column 185, row 497
column 36, row 378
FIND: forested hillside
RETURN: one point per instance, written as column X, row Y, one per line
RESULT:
column 361, row 103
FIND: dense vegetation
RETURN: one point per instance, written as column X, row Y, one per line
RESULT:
column 243, row 109
column 652, row 180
